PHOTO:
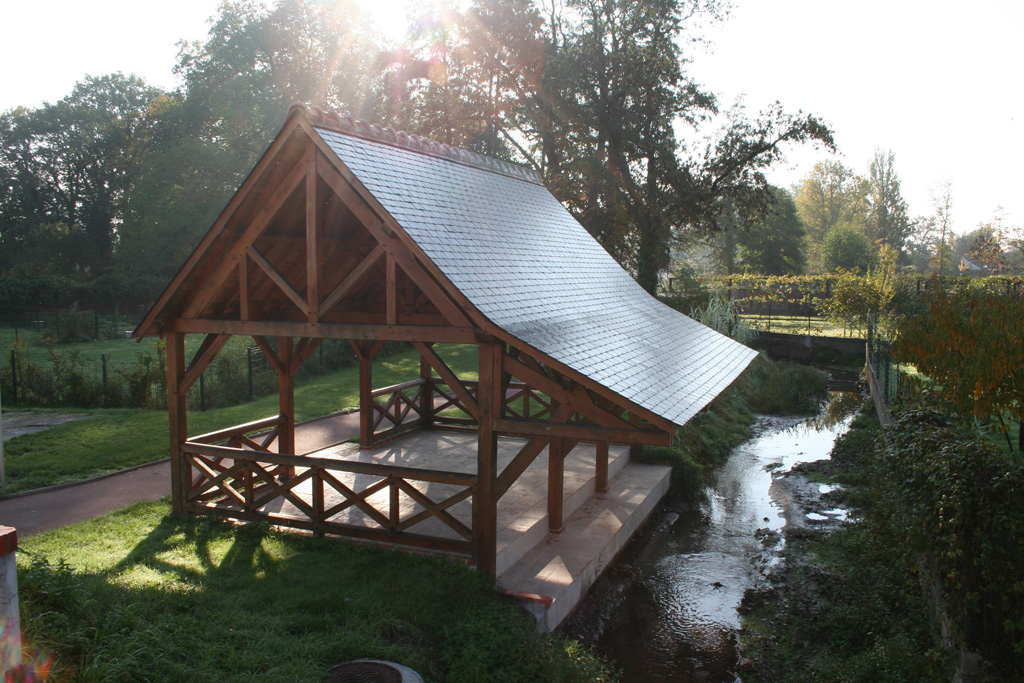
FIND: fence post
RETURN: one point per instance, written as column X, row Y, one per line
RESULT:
column 14, row 378
column 10, row 643
column 248, row 353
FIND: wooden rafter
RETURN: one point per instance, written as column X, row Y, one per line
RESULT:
column 212, row 284
column 395, row 247
column 210, row 347
column 312, row 239
column 264, row 166
column 578, row 399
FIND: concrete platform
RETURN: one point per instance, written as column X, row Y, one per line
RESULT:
column 556, row 569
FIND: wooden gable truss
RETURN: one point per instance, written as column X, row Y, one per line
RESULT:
column 304, row 253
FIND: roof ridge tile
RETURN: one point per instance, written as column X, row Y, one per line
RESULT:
column 347, row 125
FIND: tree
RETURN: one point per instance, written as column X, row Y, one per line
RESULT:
column 887, row 220
column 847, row 248
column 608, row 91
column 970, row 345
column 879, row 293
column 942, row 203
column 775, row 246
column 71, row 166
column 831, row 194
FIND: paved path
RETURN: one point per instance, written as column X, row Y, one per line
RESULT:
column 53, row 509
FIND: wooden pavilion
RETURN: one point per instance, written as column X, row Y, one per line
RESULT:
column 345, row 230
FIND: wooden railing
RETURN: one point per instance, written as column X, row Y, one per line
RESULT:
column 243, row 480
column 407, row 406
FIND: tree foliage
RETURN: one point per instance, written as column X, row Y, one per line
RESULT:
column 846, row 247
column 590, row 92
column 830, row 195
column 775, row 245
column 887, row 219
column 970, row 345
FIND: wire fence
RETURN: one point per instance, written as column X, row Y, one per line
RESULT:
column 885, row 376
column 70, row 379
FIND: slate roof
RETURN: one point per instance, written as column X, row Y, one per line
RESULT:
column 523, row 261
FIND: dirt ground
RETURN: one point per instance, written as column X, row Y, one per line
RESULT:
column 16, row 424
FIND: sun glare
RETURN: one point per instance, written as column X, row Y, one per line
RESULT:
column 391, row 16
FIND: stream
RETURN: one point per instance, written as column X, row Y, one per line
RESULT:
column 667, row 608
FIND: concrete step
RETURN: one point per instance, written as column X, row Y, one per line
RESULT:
column 558, row 571
column 523, row 510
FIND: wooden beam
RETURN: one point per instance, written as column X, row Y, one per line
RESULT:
column 305, row 349
column 177, row 415
column 391, row 291
column 243, row 288
column 599, row 389
column 331, row 161
column 262, row 167
column 601, row 467
column 396, row 248
column 426, row 394
column 210, row 347
column 270, row 354
column 527, row 454
column 286, row 397
column 556, row 484
column 365, row 351
column 410, row 333
column 450, row 378
column 280, row 280
column 312, row 239
column 583, row 432
column 354, row 276
column 485, row 502
column 437, row 296
column 211, row 285
column 578, row 400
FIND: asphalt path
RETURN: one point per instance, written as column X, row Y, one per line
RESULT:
column 60, row 506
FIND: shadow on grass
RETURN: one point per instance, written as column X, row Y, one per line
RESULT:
column 142, row 595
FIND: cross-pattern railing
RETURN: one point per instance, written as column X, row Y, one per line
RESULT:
column 243, row 480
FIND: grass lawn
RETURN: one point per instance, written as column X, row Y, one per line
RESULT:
column 92, row 351
column 119, row 438
column 142, row 595
column 820, row 327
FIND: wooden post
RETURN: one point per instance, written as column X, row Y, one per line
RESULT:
column 177, row 413
column 556, row 484
column 485, row 503
column 426, row 394
column 286, row 399
column 363, row 350
column 602, row 467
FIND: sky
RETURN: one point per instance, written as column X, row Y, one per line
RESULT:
column 936, row 82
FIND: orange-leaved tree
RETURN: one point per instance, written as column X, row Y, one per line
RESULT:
column 970, row 345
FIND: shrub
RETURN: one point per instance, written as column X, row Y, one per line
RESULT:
column 953, row 502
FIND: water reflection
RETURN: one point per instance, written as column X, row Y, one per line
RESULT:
column 669, row 611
